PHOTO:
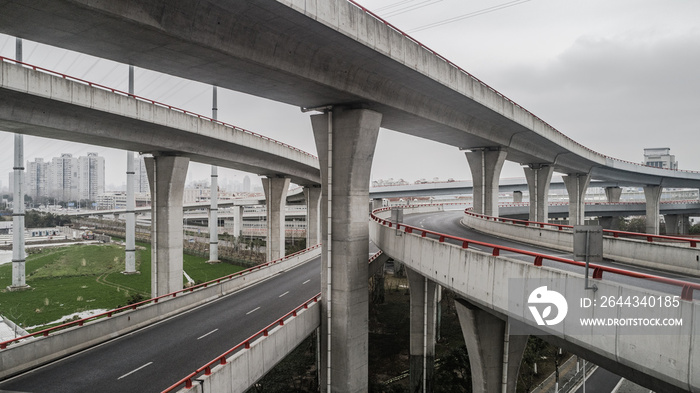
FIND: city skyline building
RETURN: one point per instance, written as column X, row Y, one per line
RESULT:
column 65, row 178
column 660, row 157
column 37, row 178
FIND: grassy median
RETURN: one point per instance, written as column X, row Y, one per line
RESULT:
column 78, row 278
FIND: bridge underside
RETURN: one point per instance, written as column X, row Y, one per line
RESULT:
column 286, row 51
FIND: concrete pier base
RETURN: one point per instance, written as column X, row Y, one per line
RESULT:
column 652, row 194
column 345, row 141
column 276, row 195
column 576, row 186
column 485, row 165
column 422, row 332
column 538, row 179
column 312, row 195
column 612, row 195
column 517, row 196
column 494, row 354
column 166, row 177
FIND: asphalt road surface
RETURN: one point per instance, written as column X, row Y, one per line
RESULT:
column 153, row 358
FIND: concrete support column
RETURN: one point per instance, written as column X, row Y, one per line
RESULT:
column 576, row 186
column 671, row 221
column 538, row 178
column 312, row 195
column 166, row 177
column 238, row 221
column 652, row 194
column 422, row 332
column 684, row 224
column 214, row 196
column 130, row 248
column 517, row 196
column 345, row 141
column 130, row 229
column 276, row 195
column 612, row 195
column 494, row 354
column 485, row 165
column 214, row 217
column 18, row 253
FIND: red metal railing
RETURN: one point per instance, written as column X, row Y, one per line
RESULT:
column 116, row 91
column 616, row 234
column 134, row 306
column 221, row 359
column 687, row 288
column 443, row 58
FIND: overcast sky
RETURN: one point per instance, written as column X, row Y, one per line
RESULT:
column 616, row 76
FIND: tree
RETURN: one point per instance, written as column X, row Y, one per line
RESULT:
column 534, row 351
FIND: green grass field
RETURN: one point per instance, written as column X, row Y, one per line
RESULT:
column 86, row 277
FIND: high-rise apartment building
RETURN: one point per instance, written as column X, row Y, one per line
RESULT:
column 63, row 177
column 91, row 177
column 36, row 179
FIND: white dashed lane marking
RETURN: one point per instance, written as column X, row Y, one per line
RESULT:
column 133, row 371
column 198, row 338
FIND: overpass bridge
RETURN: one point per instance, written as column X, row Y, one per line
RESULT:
column 495, row 282
column 381, row 77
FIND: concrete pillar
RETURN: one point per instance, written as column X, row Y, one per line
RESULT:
column 422, row 332
column 345, row 141
column 517, row 196
column 18, row 253
column 671, row 221
column 613, row 194
column 576, row 185
column 312, row 195
column 130, row 229
column 238, row 221
column 214, row 217
column 485, row 165
column 684, row 224
column 276, row 195
column 652, row 194
column 130, row 247
column 214, row 197
column 166, row 177
column 538, row 178
column 494, row 354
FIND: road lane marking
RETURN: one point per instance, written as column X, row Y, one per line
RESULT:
column 207, row 334
column 252, row 311
column 133, row 371
column 305, row 282
column 283, row 294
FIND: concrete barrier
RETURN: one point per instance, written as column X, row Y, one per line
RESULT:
column 662, row 362
column 674, row 258
column 247, row 366
column 23, row 356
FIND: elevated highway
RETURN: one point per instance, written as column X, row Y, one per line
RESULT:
column 416, row 90
column 484, row 274
column 287, row 51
